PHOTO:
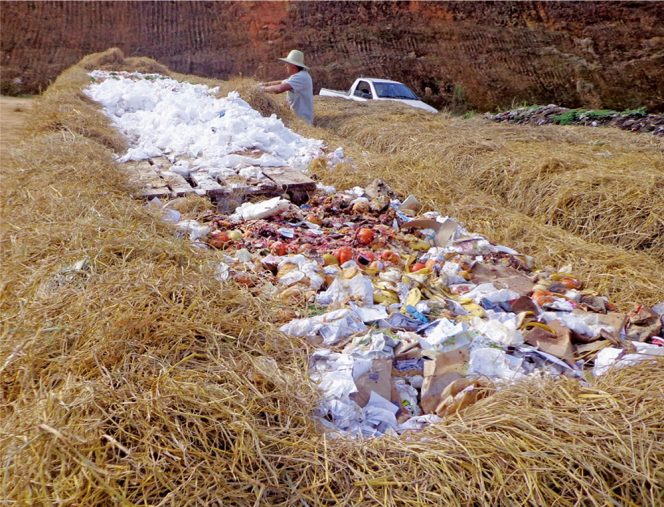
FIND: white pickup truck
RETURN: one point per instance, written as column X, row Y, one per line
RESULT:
column 369, row 88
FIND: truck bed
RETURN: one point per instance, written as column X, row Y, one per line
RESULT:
column 326, row 92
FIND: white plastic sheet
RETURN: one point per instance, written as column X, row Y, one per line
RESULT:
column 162, row 116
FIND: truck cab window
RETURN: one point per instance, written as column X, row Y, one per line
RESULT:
column 363, row 90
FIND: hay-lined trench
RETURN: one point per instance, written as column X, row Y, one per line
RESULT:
column 140, row 379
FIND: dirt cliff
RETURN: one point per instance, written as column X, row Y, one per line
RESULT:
column 459, row 55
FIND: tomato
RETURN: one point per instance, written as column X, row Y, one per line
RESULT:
column 570, row 283
column 365, row 236
column 390, row 256
column 344, row 254
column 542, row 297
column 279, row 248
column 417, row 266
column 218, row 239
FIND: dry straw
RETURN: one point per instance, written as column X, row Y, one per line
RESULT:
column 601, row 184
column 136, row 378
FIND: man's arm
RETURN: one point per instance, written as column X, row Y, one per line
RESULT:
column 278, row 88
column 270, row 83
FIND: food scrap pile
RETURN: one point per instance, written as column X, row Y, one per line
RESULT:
column 415, row 317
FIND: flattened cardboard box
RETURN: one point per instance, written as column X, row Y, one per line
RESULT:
column 440, row 370
column 378, row 379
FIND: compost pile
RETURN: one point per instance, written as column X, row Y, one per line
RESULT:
column 140, row 368
column 416, row 317
column 636, row 121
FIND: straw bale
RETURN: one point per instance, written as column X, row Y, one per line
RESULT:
column 143, row 380
column 605, row 197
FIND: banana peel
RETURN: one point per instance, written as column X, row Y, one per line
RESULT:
column 386, row 297
column 473, row 309
column 414, row 296
column 419, row 245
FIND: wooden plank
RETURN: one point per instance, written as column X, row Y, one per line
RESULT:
column 178, row 185
column 206, row 185
column 267, row 187
column 149, row 193
column 160, row 163
column 290, row 179
column 149, row 183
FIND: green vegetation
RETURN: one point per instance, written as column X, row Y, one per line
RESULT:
column 569, row 117
column 641, row 111
column 566, row 118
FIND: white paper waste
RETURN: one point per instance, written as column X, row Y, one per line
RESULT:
column 613, row 357
column 418, row 423
column 499, row 327
column 408, row 396
column 588, row 324
column 442, row 336
column 332, row 326
column 358, row 288
column 495, row 364
column 195, row 230
column 263, row 209
column 370, row 313
column 489, row 292
column 307, row 269
column 379, row 416
column 160, row 115
column 371, row 346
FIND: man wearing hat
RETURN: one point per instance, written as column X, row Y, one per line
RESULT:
column 299, row 86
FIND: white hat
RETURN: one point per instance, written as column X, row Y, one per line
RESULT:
column 295, row 57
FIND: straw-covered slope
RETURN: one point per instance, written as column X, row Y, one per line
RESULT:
column 140, row 379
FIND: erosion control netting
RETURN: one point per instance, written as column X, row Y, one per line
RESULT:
column 132, row 374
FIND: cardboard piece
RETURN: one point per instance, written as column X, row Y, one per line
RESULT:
column 643, row 323
column 595, row 304
column 408, row 350
column 613, row 320
column 377, row 379
column 589, row 350
column 502, row 277
column 558, row 344
column 440, row 370
column 462, row 393
column 411, row 204
column 524, row 304
column 444, row 231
